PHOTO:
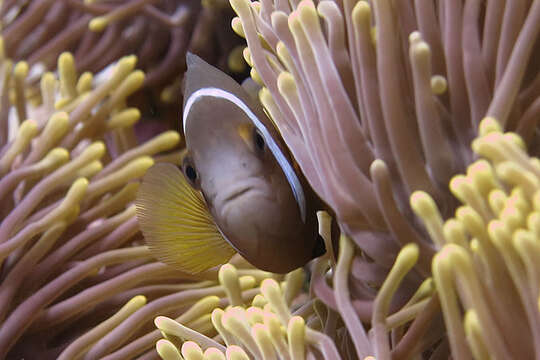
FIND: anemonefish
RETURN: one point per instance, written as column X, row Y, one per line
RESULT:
column 237, row 189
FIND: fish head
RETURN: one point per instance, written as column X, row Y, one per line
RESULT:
column 235, row 158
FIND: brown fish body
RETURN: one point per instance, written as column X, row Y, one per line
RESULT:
column 245, row 187
column 239, row 189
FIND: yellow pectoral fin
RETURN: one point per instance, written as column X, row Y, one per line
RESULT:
column 176, row 224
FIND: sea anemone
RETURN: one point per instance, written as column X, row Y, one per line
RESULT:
column 344, row 93
column 98, row 33
column 265, row 330
column 487, row 268
column 380, row 112
column 128, row 334
column 376, row 101
column 70, row 246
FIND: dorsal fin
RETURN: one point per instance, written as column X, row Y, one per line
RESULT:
column 200, row 75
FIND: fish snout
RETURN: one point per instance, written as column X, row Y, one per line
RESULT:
column 236, row 209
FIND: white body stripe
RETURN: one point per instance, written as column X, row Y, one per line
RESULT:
column 293, row 180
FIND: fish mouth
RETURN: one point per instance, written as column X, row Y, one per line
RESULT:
column 234, row 190
column 236, row 194
column 229, row 201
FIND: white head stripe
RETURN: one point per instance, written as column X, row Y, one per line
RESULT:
column 293, row 180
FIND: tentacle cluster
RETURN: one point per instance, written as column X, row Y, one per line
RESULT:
column 409, row 91
column 100, row 32
column 267, row 329
column 71, row 252
column 486, row 272
column 128, row 333
column 378, row 100
column 283, row 322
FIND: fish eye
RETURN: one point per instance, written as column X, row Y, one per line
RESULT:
column 189, row 171
column 258, row 140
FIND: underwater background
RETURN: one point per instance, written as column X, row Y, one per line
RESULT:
column 415, row 121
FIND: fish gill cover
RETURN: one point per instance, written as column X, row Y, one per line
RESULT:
column 383, row 105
